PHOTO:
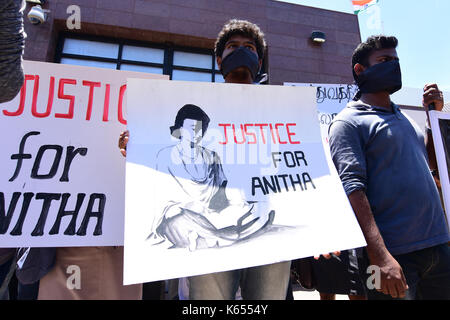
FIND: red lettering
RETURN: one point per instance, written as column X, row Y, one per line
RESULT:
column 106, row 104
column 91, row 85
column 61, row 95
column 250, row 133
column 23, row 93
column 278, row 133
column 271, row 133
column 261, row 126
column 250, row 137
column 224, row 125
column 44, row 112
column 119, row 109
column 51, row 91
column 243, row 136
column 289, row 133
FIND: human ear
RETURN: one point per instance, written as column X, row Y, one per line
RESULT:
column 359, row 68
column 219, row 62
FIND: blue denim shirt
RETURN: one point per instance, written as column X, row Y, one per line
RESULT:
column 383, row 153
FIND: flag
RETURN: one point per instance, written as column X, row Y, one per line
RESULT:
column 361, row 5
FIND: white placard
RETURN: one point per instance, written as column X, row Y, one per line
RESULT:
column 252, row 186
column 331, row 99
column 440, row 124
column 62, row 178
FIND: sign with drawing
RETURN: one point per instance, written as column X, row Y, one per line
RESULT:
column 217, row 174
column 62, row 177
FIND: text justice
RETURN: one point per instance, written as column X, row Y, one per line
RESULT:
column 60, row 86
column 279, row 133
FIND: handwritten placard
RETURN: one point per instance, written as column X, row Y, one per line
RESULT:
column 62, row 177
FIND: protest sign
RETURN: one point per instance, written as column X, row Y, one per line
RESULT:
column 440, row 124
column 331, row 99
column 227, row 176
column 62, row 178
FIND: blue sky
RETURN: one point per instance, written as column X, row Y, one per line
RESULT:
column 422, row 28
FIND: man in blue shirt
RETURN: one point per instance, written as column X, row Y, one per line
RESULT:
column 382, row 158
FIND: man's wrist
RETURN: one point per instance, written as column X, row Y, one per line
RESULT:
column 427, row 127
column 377, row 253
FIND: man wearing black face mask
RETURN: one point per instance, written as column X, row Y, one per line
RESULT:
column 382, row 160
column 239, row 52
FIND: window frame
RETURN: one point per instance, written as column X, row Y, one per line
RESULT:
column 167, row 66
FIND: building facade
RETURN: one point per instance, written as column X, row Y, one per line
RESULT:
column 176, row 37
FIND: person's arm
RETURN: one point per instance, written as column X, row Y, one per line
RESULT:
column 393, row 281
column 347, row 151
column 432, row 94
column 123, row 141
column 12, row 43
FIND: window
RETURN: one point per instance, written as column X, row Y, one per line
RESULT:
column 188, row 64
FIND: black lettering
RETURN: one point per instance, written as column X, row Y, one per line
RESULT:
column 48, row 198
column 256, row 183
column 20, row 156
column 284, row 176
column 331, row 96
column 275, row 160
column 70, row 230
column 306, row 179
column 37, row 162
column 97, row 214
column 70, row 154
column 292, row 165
column 320, row 94
column 5, row 218
column 17, row 231
column 268, row 186
column 298, row 181
column 299, row 155
column 278, row 184
column 342, row 94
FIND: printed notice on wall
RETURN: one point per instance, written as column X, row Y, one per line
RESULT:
column 62, row 181
column 227, row 176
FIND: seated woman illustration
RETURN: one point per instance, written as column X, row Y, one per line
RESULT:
column 205, row 214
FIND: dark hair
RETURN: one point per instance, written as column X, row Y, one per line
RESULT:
column 189, row 111
column 365, row 49
column 243, row 28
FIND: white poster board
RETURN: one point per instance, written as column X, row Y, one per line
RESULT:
column 254, row 189
column 440, row 124
column 62, row 181
column 331, row 99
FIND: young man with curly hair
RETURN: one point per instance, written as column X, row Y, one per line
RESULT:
column 239, row 51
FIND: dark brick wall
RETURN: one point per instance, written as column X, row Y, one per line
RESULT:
column 292, row 57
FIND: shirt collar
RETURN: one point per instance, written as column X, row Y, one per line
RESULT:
column 361, row 105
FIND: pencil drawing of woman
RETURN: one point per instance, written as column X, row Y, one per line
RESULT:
column 203, row 212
